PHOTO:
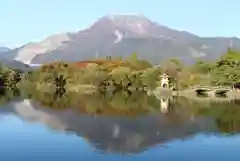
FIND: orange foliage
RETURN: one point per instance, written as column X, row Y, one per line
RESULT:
column 109, row 64
column 83, row 64
column 52, row 65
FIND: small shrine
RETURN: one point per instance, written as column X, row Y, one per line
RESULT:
column 164, row 80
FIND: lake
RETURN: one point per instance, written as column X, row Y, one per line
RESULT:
column 137, row 127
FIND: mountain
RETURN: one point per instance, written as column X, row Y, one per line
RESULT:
column 3, row 49
column 121, row 35
column 11, row 63
column 16, row 65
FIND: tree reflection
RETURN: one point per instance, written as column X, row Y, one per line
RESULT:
column 226, row 116
column 7, row 95
column 120, row 103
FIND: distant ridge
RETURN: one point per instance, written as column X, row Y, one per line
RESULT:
column 3, row 49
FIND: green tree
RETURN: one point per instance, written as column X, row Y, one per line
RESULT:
column 150, row 77
column 133, row 57
column 226, row 71
column 202, row 67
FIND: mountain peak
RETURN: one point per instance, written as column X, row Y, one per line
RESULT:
column 127, row 18
column 134, row 22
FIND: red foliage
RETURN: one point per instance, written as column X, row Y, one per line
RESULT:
column 82, row 64
column 108, row 64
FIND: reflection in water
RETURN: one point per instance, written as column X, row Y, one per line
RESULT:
column 8, row 95
column 59, row 92
column 227, row 116
column 164, row 105
column 134, row 124
column 115, row 134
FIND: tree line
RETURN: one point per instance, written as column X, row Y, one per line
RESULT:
column 132, row 73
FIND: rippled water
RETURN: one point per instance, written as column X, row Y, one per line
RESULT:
column 184, row 130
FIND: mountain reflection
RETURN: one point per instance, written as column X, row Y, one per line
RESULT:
column 129, row 124
column 115, row 134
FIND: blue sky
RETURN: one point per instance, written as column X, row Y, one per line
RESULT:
column 22, row 21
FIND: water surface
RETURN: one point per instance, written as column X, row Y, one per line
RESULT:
column 138, row 128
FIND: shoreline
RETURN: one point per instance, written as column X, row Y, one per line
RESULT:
column 191, row 94
column 158, row 92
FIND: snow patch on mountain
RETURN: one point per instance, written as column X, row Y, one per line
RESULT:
column 119, row 36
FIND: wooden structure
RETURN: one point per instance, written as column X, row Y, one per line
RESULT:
column 236, row 86
column 212, row 91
